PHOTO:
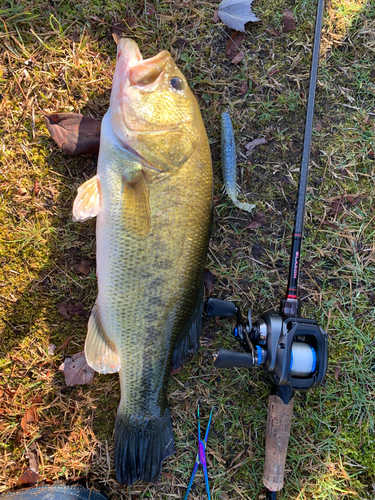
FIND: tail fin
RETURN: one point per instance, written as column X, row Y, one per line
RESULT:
column 140, row 449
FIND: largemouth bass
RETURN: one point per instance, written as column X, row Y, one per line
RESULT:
column 152, row 196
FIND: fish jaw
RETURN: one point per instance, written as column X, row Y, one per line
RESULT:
column 131, row 70
column 149, row 113
column 128, row 55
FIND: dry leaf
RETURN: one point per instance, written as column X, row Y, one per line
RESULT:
column 51, row 349
column 253, row 144
column 337, row 205
column 69, row 310
column 75, row 134
column 32, row 454
column 273, row 31
column 29, row 477
column 238, row 57
column 209, row 280
column 236, row 13
column 30, row 417
column 233, row 46
column 180, row 42
column 257, row 251
column 289, row 21
column 174, row 371
column 21, row 191
column 355, row 201
column 244, row 88
column 118, row 28
column 76, row 370
column 83, row 267
column 257, row 222
column 216, row 17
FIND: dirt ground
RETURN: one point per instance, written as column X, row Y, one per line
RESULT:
column 59, row 56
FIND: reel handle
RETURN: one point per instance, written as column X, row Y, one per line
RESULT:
column 224, row 358
column 279, row 420
column 217, row 307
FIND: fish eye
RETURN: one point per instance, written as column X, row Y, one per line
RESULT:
column 177, row 83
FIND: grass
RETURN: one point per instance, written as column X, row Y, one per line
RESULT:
column 59, row 56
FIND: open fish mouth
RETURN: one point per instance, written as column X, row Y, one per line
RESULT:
column 138, row 71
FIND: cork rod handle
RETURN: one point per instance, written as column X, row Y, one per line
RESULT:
column 279, row 420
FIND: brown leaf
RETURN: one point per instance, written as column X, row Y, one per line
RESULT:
column 33, row 454
column 209, row 280
column 180, row 42
column 216, row 17
column 257, row 222
column 337, row 372
column 238, row 57
column 74, row 37
column 29, row 477
column 83, row 267
column 273, row 31
column 174, row 371
column 257, row 251
column 355, row 201
column 337, row 205
column 233, row 46
column 30, row 417
column 118, row 28
column 167, row 475
column 36, row 188
column 76, row 370
column 62, row 308
column 21, row 191
column 68, row 310
column 244, row 87
column 75, row 134
column 289, row 21
column 253, row 144
column 318, row 127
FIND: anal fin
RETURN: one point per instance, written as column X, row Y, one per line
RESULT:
column 99, row 350
column 87, row 202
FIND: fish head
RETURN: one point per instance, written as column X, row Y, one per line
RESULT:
column 152, row 108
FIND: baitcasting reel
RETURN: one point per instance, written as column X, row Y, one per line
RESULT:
column 294, row 351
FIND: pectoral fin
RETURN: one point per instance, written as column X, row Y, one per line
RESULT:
column 136, row 206
column 99, row 350
column 87, row 202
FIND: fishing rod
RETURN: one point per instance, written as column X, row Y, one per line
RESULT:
column 293, row 350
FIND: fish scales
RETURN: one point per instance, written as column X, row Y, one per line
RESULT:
column 153, row 199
